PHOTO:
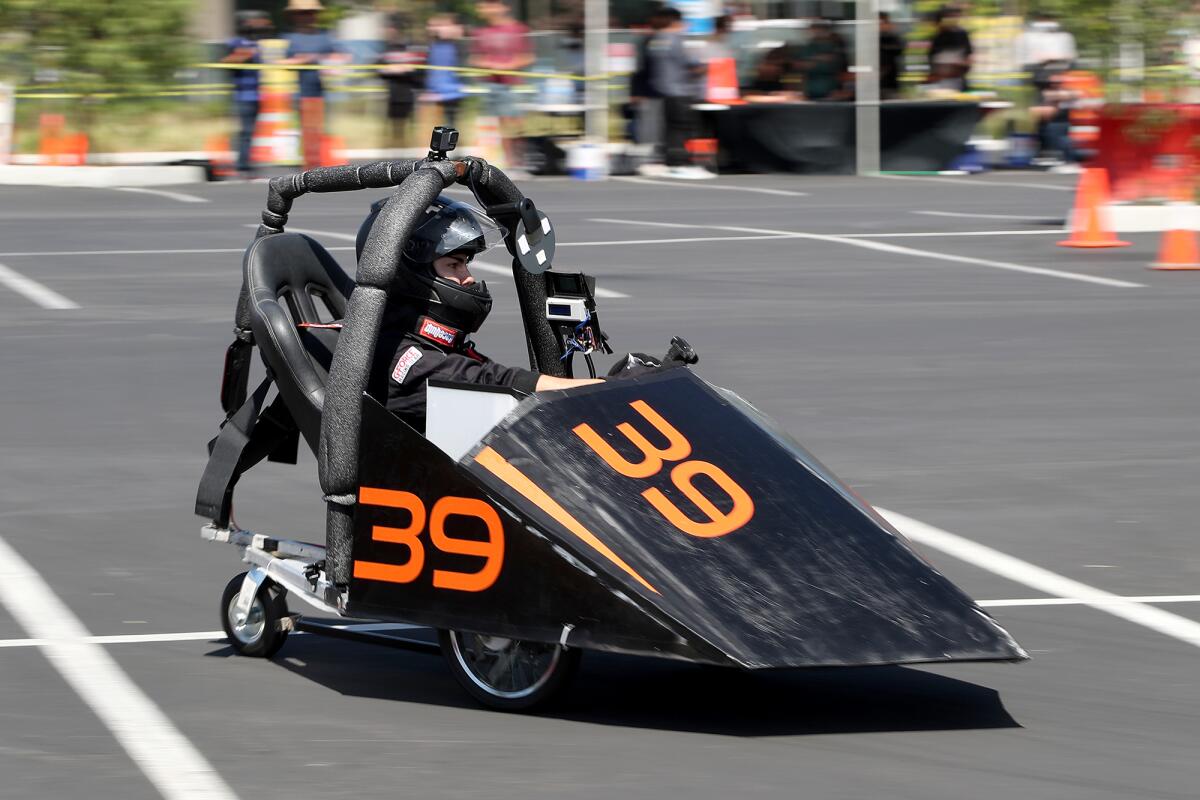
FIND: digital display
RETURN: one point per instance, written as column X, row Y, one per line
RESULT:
column 558, row 309
column 567, row 284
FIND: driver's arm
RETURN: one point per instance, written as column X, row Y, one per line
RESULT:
column 549, row 382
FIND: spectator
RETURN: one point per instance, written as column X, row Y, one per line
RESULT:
column 1070, row 101
column 950, row 51
column 308, row 44
column 1045, row 50
column 503, row 44
column 646, row 105
column 673, row 75
column 244, row 49
column 775, row 79
column 718, row 43
column 402, row 80
column 824, row 63
column 891, row 57
column 444, row 86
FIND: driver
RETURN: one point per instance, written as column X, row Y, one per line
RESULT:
column 436, row 304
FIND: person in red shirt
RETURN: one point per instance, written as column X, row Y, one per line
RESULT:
column 502, row 44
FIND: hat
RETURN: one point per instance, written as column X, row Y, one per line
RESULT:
column 304, row 5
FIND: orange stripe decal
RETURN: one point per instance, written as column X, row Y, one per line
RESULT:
column 496, row 464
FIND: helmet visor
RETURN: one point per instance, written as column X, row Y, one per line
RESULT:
column 454, row 227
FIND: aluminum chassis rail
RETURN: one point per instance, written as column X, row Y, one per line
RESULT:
column 290, row 564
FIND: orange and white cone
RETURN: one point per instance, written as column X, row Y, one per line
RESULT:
column 489, row 140
column 722, row 86
column 1180, row 249
column 1089, row 221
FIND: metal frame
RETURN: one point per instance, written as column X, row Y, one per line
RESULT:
column 287, row 562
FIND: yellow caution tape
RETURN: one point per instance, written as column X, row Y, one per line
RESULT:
column 377, row 67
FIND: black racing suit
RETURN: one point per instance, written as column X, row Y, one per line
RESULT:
column 435, row 350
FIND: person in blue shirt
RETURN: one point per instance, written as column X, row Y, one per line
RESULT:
column 308, row 44
column 443, row 85
column 243, row 49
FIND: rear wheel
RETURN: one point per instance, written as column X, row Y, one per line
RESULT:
column 508, row 674
column 260, row 634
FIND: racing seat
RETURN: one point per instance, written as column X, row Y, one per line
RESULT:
column 296, row 291
column 292, row 292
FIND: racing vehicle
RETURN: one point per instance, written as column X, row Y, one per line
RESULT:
column 657, row 515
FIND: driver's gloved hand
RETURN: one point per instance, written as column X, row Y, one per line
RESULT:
column 681, row 352
column 635, row 364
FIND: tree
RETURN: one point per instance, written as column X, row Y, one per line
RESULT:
column 94, row 47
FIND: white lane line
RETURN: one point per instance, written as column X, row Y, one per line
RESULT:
column 496, row 269
column 342, row 237
column 188, row 636
column 477, row 266
column 1043, row 580
column 966, row 215
column 201, row 251
column 1075, row 601
column 203, row 636
column 676, row 241
column 384, row 627
column 177, row 196
column 897, row 249
column 164, row 755
column 694, row 185
column 1050, row 187
column 949, row 234
column 32, row 290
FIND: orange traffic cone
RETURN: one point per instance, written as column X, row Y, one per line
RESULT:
column 50, row 138
column 220, row 158
column 722, row 82
column 332, row 148
column 1088, row 223
column 1179, row 249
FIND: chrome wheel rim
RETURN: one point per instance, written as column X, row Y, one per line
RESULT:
column 251, row 630
column 505, row 668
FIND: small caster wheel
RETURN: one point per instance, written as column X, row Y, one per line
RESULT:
column 508, row 674
column 260, row 635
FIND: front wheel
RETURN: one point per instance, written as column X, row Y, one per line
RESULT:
column 261, row 635
column 508, row 674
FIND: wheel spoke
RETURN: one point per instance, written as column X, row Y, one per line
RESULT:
column 505, row 667
column 503, row 664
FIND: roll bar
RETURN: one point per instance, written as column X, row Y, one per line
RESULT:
column 418, row 185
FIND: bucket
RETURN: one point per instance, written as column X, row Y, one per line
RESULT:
column 587, row 162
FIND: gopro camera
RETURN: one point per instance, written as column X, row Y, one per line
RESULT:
column 443, row 141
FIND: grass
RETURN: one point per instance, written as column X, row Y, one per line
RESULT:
column 166, row 125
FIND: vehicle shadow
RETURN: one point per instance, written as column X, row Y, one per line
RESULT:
column 667, row 695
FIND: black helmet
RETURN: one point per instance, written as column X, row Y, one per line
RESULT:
column 447, row 227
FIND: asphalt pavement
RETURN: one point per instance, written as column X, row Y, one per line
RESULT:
column 924, row 337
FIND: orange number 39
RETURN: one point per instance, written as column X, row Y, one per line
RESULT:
column 491, row 549
column 717, row 522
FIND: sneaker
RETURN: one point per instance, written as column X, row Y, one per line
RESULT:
column 653, row 170
column 690, row 173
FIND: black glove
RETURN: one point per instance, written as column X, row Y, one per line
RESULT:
column 635, row 364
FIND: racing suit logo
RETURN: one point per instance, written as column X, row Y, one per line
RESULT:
column 436, row 332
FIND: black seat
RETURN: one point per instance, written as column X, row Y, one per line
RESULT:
column 294, row 283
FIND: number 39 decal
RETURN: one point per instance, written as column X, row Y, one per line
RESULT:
column 717, row 522
column 490, row 550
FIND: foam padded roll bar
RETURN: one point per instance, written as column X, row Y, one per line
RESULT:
column 494, row 188
column 286, row 188
column 341, row 418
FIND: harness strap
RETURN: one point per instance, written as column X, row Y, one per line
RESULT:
column 246, row 438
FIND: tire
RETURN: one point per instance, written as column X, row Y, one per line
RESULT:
column 260, row 637
column 536, row 673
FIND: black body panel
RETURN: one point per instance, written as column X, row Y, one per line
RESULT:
column 728, row 543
